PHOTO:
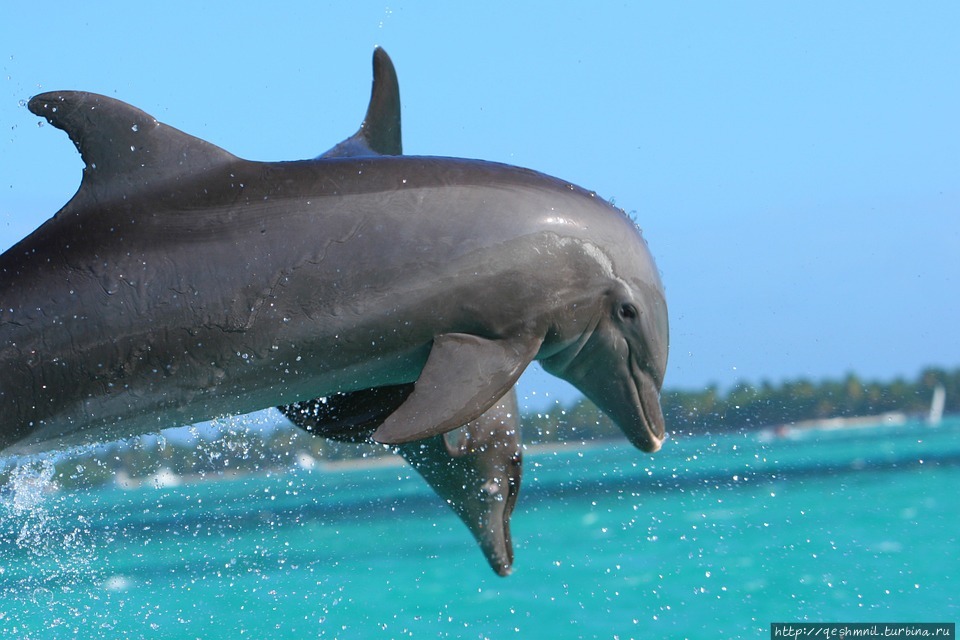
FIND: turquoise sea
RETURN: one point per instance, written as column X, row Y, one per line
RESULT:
column 713, row 537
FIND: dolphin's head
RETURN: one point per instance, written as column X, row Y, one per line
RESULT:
column 476, row 469
column 616, row 343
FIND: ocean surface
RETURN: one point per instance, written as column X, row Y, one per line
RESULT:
column 713, row 537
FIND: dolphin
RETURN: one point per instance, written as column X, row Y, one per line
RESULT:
column 182, row 283
column 475, row 469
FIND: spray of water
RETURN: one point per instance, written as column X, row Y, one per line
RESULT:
column 42, row 551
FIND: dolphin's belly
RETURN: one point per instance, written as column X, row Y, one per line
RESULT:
column 192, row 390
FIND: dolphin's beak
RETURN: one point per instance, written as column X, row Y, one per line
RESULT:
column 490, row 525
column 610, row 376
column 631, row 399
column 648, row 429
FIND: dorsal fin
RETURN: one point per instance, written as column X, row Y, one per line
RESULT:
column 380, row 132
column 121, row 145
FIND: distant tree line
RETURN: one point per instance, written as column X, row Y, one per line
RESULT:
column 747, row 406
column 233, row 450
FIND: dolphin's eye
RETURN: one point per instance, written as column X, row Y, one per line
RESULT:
column 628, row 311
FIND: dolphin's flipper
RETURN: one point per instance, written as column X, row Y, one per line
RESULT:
column 123, row 147
column 347, row 417
column 380, row 132
column 463, row 377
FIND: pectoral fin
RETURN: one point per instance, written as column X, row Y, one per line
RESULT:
column 463, row 377
column 347, row 417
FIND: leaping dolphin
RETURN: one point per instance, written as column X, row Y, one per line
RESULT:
column 475, row 469
column 182, row 283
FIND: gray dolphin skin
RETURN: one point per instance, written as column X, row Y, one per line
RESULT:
column 475, row 469
column 182, row 283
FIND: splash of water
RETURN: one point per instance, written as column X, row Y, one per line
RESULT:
column 41, row 551
column 29, row 483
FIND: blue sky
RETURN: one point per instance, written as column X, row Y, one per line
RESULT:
column 795, row 166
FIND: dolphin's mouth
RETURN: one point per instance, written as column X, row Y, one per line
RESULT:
column 629, row 395
column 652, row 433
column 500, row 551
column 497, row 486
column 491, row 528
